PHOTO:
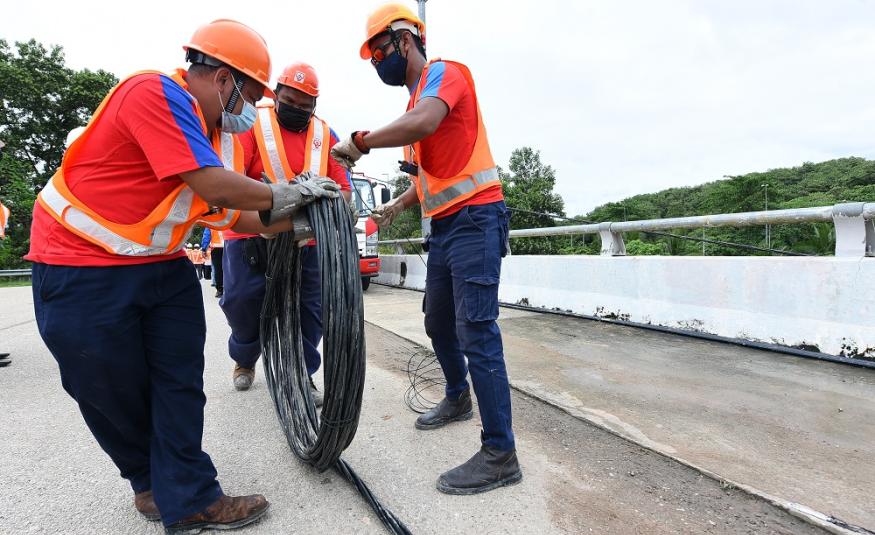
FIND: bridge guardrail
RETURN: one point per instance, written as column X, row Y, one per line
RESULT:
column 8, row 273
column 854, row 226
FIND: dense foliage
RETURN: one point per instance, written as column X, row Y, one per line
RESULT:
column 42, row 100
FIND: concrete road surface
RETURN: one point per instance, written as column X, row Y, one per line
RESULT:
column 578, row 478
column 802, row 431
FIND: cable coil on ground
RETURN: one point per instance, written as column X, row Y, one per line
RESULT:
column 319, row 439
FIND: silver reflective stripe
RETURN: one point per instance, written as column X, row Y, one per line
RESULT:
column 229, row 216
column 269, row 136
column 228, row 151
column 464, row 187
column 317, row 146
column 119, row 245
column 163, row 232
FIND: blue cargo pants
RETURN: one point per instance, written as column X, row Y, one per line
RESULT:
column 244, row 294
column 461, row 308
column 129, row 342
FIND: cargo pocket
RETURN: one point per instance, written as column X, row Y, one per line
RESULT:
column 481, row 298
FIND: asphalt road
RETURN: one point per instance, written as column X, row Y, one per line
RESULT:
column 578, row 478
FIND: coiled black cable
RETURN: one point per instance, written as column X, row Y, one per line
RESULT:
column 427, row 382
column 319, row 439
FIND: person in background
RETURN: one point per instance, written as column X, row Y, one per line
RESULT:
column 215, row 240
column 4, row 222
column 197, row 258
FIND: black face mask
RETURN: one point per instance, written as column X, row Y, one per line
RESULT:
column 293, row 118
column 393, row 69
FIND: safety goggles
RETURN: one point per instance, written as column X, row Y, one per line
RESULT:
column 380, row 53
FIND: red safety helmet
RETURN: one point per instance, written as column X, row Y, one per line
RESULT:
column 302, row 77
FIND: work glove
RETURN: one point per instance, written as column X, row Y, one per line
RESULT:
column 348, row 151
column 385, row 214
column 289, row 198
column 353, row 211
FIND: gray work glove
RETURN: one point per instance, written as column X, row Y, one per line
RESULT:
column 353, row 211
column 346, row 153
column 289, row 198
column 385, row 214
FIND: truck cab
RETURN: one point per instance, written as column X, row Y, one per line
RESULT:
column 364, row 195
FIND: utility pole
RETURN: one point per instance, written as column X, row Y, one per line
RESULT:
column 768, row 227
column 422, row 9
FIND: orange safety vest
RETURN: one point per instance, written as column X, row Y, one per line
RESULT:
column 166, row 229
column 216, row 239
column 4, row 220
column 273, row 154
column 437, row 194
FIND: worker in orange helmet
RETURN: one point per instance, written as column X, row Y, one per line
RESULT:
column 116, row 301
column 288, row 139
column 456, row 183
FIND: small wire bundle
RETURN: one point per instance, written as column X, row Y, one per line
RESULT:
column 426, row 381
column 319, row 440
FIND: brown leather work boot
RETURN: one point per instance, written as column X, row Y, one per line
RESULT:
column 145, row 504
column 224, row 513
column 243, row 377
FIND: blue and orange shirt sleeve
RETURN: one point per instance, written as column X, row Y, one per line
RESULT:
column 161, row 117
column 335, row 171
column 445, row 82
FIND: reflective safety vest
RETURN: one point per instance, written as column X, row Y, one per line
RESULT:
column 166, row 229
column 268, row 135
column 216, row 239
column 4, row 220
column 437, row 194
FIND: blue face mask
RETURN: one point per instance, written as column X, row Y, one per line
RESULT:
column 393, row 69
column 236, row 124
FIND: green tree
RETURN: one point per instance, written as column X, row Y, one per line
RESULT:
column 528, row 192
column 42, row 100
column 811, row 184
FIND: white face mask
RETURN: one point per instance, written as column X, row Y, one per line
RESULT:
column 236, row 124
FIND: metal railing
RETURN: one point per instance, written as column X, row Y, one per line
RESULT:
column 10, row 273
column 854, row 226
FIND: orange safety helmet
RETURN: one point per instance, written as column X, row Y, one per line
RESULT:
column 302, row 77
column 236, row 45
column 381, row 19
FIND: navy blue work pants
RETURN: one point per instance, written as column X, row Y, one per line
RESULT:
column 243, row 297
column 461, row 309
column 129, row 342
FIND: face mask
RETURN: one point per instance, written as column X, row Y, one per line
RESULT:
column 235, row 124
column 393, row 69
column 293, row 118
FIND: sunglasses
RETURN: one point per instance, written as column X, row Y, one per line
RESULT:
column 379, row 54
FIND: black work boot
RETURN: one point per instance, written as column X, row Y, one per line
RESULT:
column 488, row 469
column 447, row 411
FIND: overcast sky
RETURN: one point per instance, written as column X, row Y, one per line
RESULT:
column 621, row 97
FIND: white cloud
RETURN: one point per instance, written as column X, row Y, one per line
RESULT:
column 621, row 97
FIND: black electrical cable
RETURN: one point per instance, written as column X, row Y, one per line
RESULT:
column 427, row 381
column 319, row 439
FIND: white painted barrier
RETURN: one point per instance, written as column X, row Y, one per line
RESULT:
column 825, row 304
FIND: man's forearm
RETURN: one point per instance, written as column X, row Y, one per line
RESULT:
column 227, row 189
column 413, row 126
column 409, row 197
column 249, row 223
